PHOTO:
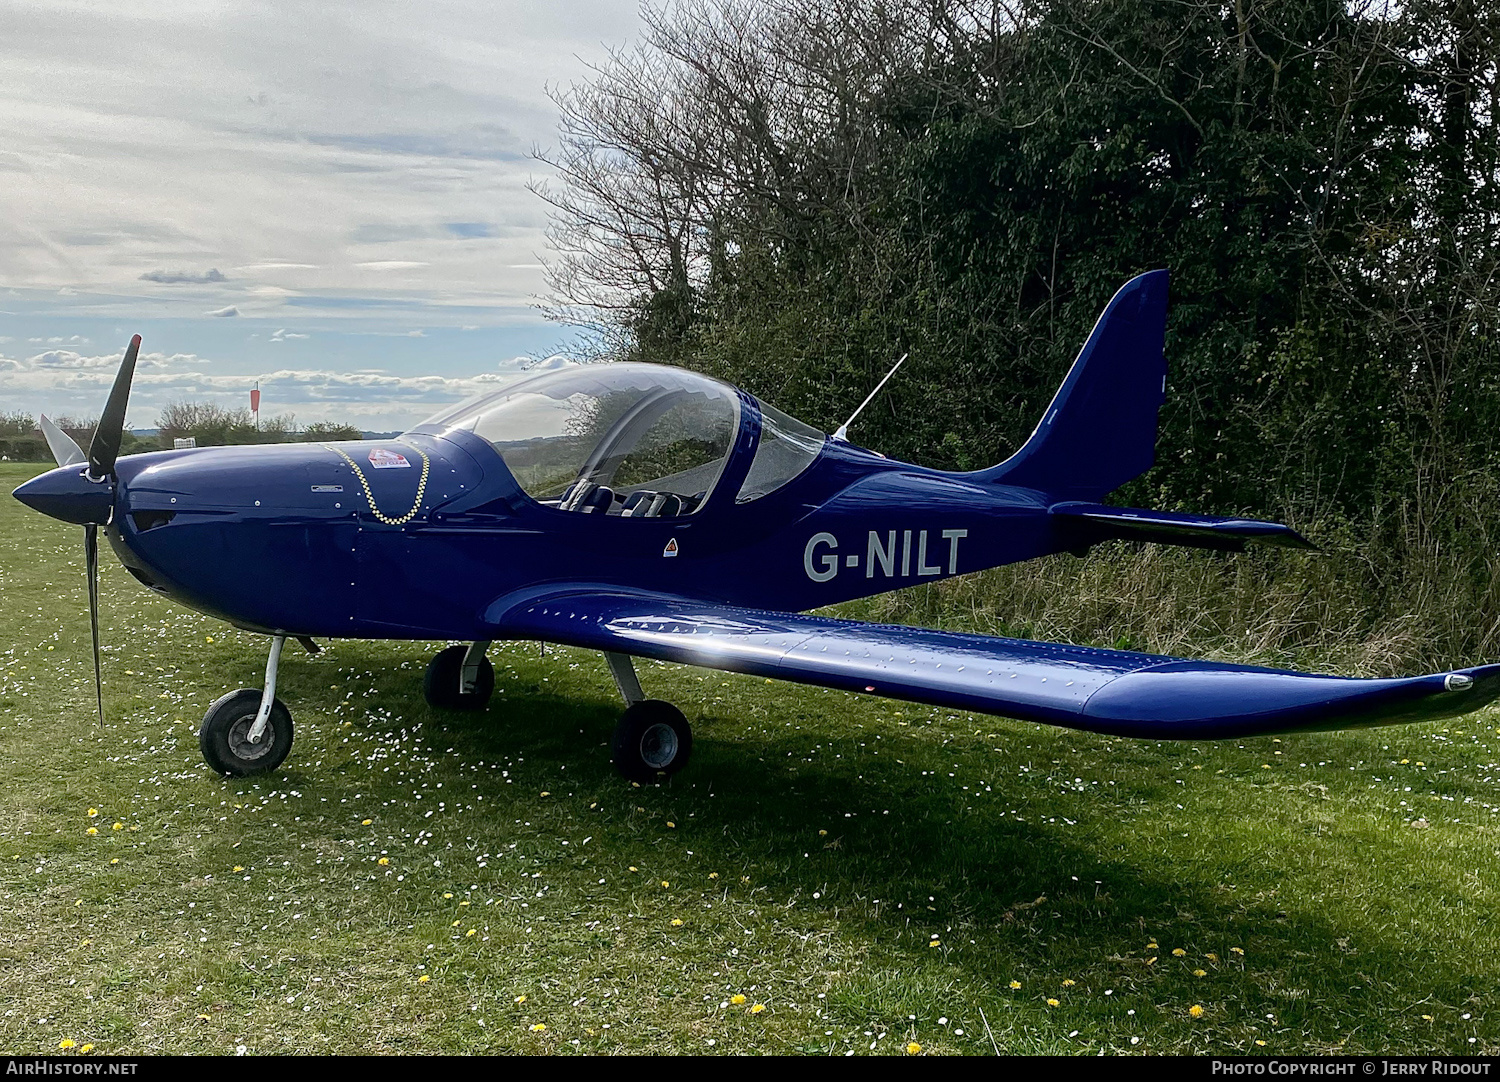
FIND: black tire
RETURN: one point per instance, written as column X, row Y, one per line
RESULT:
column 440, row 685
column 652, row 741
column 222, row 735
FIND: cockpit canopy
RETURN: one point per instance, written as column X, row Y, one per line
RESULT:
column 637, row 440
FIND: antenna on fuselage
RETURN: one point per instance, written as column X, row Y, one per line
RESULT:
column 843, row 432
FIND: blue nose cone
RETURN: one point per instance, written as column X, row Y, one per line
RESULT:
column 67, row 493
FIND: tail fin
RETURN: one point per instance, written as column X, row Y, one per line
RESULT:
column 1100, row 430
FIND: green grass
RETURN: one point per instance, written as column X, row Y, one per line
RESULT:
column 815, row 850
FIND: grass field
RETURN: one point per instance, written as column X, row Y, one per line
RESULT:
column 865, row 874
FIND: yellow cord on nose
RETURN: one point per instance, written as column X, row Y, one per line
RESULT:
column 370, row 496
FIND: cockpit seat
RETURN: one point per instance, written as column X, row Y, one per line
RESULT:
column 636, row 504
column 598, row 501
column 646, row 504
column 664, row 505
column 587, row 498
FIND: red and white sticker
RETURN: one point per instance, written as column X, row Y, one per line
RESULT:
column 671, row 549
column 382, row 459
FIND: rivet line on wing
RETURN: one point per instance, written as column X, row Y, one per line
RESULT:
column 370, row 496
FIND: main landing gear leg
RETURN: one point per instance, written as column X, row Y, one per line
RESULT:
column 653, row 739
column 248, row 731
column 460, row 678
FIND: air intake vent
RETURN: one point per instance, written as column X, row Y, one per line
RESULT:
column 150, row 520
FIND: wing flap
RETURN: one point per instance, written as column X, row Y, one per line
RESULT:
column 1109, row 691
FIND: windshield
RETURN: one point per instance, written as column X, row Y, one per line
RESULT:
column 637, row 440
column 787, row 447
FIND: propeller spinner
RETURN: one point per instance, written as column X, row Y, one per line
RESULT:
column 87, row 496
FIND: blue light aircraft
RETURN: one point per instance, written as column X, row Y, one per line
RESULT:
column 647, row 511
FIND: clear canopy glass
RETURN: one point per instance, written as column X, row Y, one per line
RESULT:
column 623, row 439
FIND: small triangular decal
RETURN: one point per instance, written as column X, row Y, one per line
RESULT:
column 671, row 549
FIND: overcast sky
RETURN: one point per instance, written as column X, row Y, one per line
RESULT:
column 330, row 197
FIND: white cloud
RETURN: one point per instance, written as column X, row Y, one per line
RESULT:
column 178, row 277
column 60, row 382
column 224, row 312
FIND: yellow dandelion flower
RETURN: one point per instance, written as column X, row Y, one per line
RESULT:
column 1405, row 761
column 86, row 1048
column 671, row 824
column 204, row 1018
column 520, row 999
column 464, row 902
column 1015, row 984
column 93, row 830
column 1052, row 1003
column 423, row 979
column 1196, row 1011
column 1069, row 983
column 365, row 822
column 1237, row 950
column 239, row 867
column 713, row 875
column 93, row 812
column 447, row 894
column 737, row 999
column 1178, row 952
column 1427, row 1018
column 1200, row 972
column 1152, row 946
column 538, row 1028
column 208, row 638
column 454, row 924
column 66, row 1044
column 822, row 833
column 383, row 861
column 1211, row 956
column 545, row 793
column 757, row 1008
column 118, row 826
column 1261, row 1044
column 115, row 861
column 665, row 884
column 471, row 931
column 634, row 868
column 85, row 943
column 913, row 1049
column 676, row 922
column 1151, row 961
column 934, row 943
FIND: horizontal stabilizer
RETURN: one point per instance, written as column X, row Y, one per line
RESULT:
column 1089, row 523
column 1106, row 691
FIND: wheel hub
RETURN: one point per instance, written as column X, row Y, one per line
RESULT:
column 239, row 739
column 659, row 746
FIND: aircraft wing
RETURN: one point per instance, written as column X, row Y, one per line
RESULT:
column 1106, row 691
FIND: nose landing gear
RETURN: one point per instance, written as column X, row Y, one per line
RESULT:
column 247, row 731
